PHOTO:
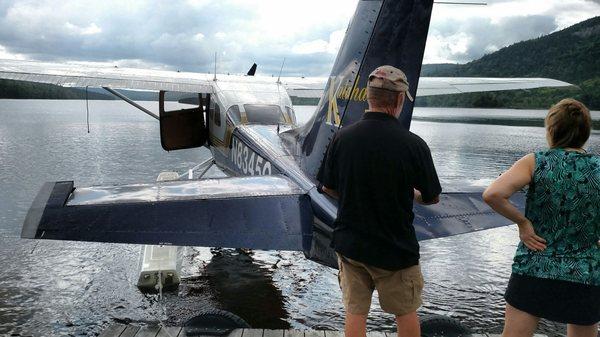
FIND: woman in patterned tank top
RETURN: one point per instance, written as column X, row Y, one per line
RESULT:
column 556, row 269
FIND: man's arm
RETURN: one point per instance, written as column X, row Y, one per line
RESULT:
column 330, row 192
column 427, row 187
column 327, row 175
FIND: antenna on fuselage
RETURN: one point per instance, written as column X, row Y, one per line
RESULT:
column 280, row 70
column 215, row 78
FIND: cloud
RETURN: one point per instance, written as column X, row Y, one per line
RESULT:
column 89, row 30
column 462, row 41
column 185, row 35
column 321, row 46
column 179, row 35
column 4, row 54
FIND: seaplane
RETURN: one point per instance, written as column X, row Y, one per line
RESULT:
column 269, row 199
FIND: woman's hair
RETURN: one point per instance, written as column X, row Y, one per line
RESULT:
column 568, row 124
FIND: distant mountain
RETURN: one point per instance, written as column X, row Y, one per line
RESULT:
column 29, row 90
column 571, row 55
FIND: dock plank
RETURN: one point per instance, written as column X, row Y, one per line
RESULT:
column 252, row 333
column 314, row 333
column 113, row 330
column 376, row 334
column 148, row 331
column 293, row 333
column 273, row 333
column 332, row 333
column 168, row 331
column 236, row 333
column 130, row 331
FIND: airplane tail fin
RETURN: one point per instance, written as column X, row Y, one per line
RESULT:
column 381, row 32
column 252, row 70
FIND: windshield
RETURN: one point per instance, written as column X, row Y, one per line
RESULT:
column 264, row 114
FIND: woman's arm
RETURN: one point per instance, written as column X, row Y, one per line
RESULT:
column 498, row 193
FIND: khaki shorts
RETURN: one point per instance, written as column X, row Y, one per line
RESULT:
column 399, row 290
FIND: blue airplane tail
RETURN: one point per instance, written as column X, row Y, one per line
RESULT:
column 381, row 32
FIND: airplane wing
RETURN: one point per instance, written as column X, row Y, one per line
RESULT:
column 264, row 212
column 259, row 212
column 432, row 86
column 459, row 213
column 305, row 87
column 82, row 75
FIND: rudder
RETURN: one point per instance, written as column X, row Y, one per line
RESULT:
column 390, row 32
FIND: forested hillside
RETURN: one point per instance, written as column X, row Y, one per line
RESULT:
column 29, row 90
column 571, row 55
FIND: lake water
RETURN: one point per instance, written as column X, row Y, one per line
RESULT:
column 75, row 288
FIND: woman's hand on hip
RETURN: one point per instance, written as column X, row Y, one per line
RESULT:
column 529, row 238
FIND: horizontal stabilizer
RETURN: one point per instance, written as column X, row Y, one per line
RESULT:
column 459, row 213
column 267, row 212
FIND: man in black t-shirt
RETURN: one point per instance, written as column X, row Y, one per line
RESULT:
column 376, row 168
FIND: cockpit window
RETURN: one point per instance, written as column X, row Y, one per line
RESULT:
column 215, row 113
column 291, row 114
column 264, row 114
column 234, row 114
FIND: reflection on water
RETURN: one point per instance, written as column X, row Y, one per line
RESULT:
column 242, row 286
column 59, row 288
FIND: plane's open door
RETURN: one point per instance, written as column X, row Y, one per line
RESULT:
column 184, row 128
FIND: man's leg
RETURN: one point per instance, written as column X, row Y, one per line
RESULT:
column 518, row 323
column 408, row 325
column 582, row 330
column 400, row 294
column 357, row 290
column 356, row 325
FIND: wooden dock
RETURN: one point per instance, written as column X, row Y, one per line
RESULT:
column 122, row 330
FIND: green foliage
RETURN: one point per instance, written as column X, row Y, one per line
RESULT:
column 571, row 55
column 541, row 98
column 30, row 90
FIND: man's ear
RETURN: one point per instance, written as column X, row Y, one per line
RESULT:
column 401, row 97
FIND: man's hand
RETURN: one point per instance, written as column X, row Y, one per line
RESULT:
column 529, row 238
column 419, row 198
column 330, row 192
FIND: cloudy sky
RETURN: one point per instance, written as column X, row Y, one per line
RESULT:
column 185, row 35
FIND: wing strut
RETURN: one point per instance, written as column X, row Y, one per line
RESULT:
column 128, row 100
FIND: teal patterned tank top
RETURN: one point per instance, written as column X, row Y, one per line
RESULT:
column 563, row 204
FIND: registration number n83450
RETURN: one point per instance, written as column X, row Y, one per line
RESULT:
column 247, row 161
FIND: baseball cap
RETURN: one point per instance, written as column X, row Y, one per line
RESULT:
column 389, row 78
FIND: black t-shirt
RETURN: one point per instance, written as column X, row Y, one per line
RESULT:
column 374, row 164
